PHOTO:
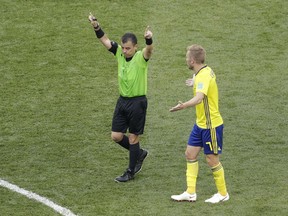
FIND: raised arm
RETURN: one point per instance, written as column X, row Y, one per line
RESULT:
column 99, row 32
column 149, row 47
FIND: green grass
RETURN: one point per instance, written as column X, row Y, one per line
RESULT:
column 58, row 90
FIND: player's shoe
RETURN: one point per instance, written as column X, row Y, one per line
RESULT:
column 216, row 198
column 140, row 161
column 185, row 197
column 127, row 176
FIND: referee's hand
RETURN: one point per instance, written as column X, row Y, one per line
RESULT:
column 148, row 33
column 92, row 19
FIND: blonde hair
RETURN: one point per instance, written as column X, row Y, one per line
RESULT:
column 197, row 52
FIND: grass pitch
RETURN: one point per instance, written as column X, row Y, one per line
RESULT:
column 59, row 87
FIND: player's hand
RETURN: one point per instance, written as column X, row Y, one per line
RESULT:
column 189, row 82
column 148, row 33
column 92, row 19
column 179, row 106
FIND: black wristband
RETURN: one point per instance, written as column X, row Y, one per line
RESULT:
column 149, row 41
column 99, row 33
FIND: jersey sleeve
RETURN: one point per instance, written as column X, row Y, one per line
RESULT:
column 143, row 60
column 202, row 83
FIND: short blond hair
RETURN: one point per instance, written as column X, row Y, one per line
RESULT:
column 197, row 52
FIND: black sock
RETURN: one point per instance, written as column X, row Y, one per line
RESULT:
column 125, row 142
column 133, row 156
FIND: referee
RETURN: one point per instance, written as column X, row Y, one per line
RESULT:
column 130, row 111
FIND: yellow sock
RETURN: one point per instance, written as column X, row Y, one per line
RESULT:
column 219, row 177
column 191, row 176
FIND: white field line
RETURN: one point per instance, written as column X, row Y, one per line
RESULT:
column 31, row 195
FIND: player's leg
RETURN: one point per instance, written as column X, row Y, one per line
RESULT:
column 192, row 168
column 192, row 153
column 218, row 173
column 136, row 115
column 193, row 149
column 121, row 139
column 213, row 149
column 134, row 151
column 119, row 125
column 136, row 128
column 119, row 128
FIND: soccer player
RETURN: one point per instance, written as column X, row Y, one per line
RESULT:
column 130, row 110
column 207, row 132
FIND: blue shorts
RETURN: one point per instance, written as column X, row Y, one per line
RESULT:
column 209, row 139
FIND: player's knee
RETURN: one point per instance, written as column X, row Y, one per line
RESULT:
column 212, row 160
column 190, row 156
column 116, row 137
column 133, row 138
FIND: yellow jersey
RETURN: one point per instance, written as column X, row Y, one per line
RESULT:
column 207, row 112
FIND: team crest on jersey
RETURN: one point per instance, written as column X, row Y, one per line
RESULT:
column 200, row 86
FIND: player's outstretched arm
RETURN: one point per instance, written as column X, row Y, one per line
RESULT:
column 197, row 99
column 99, row 32
column 149, row 46
column 179, row 106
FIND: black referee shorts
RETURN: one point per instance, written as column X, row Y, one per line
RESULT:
column 130, row 114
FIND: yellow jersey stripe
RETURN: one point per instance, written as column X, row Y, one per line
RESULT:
column 214, row 140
